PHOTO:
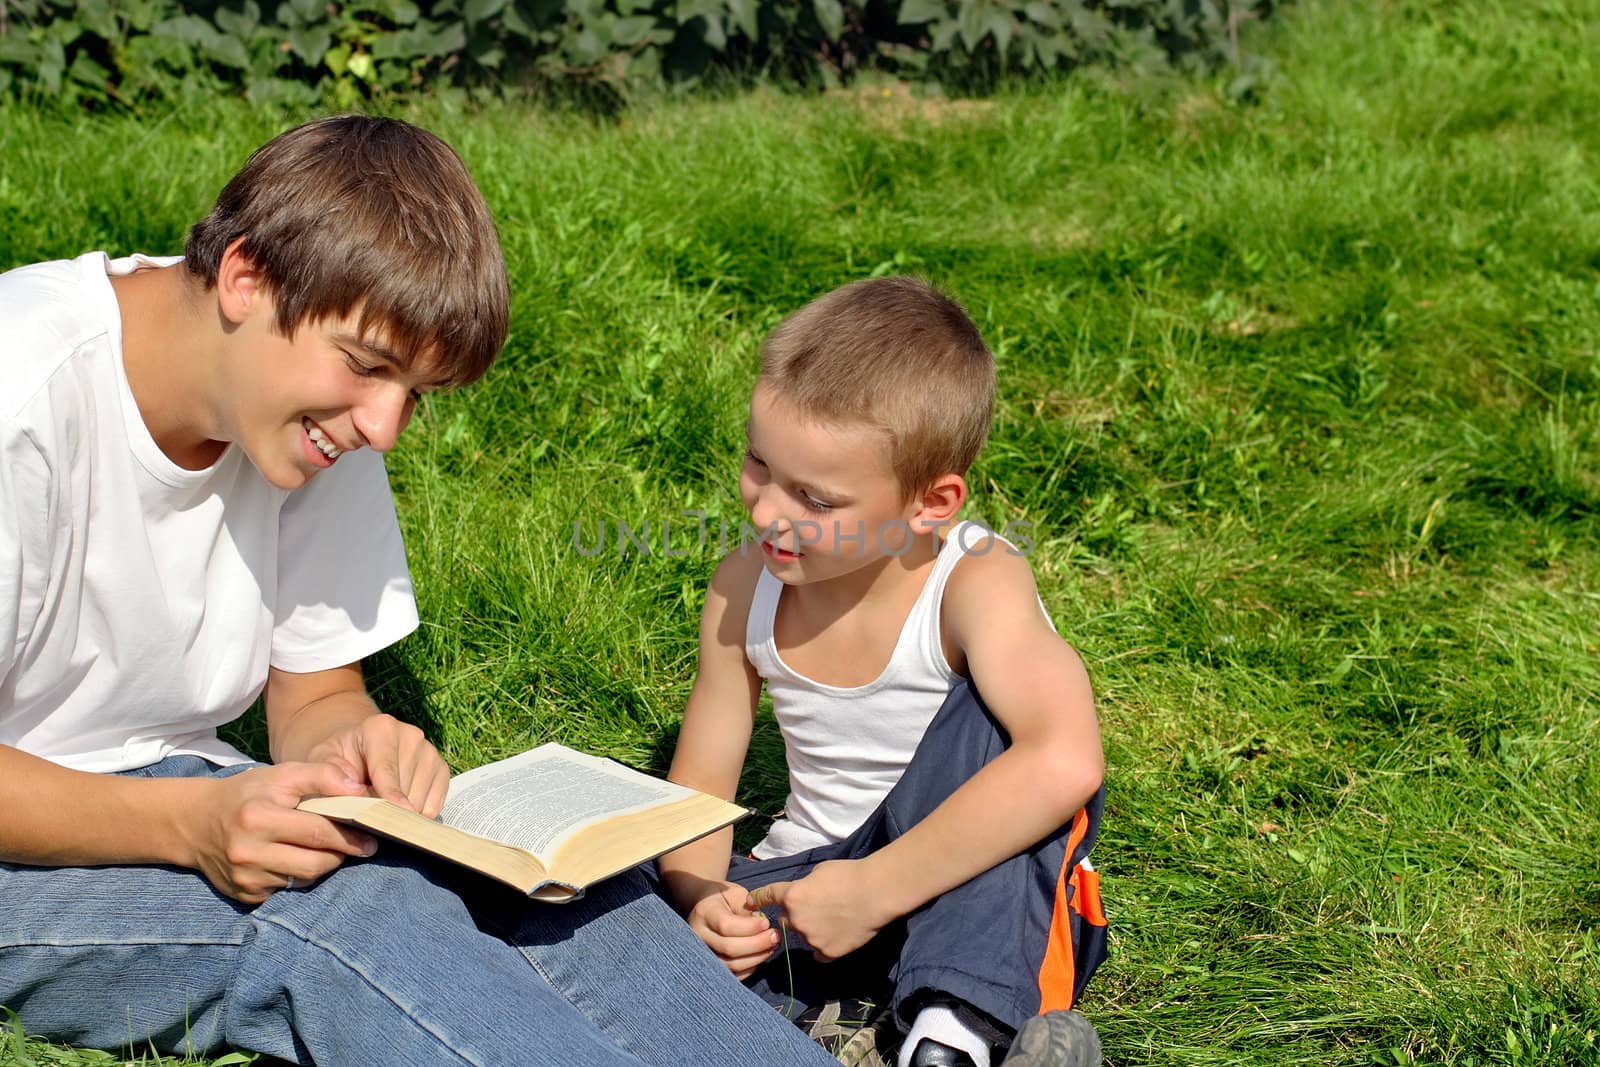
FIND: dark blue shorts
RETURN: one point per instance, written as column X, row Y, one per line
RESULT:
column 1019, row 939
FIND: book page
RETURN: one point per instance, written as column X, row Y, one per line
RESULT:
column 539, row 798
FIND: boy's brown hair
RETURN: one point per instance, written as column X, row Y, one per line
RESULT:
column 371, row 213
column 894, row 353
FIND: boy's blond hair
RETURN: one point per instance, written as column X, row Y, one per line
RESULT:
column 358, row 212
column 896, row 354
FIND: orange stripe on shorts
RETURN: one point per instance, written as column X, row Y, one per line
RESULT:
column 1057, row 970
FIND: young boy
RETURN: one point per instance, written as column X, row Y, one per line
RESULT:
column 930, row 837
column 193, row 511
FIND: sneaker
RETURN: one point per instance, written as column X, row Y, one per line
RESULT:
column 1055, row 1039
column 931, row 1053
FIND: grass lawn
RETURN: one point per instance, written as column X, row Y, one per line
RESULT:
column 1302, row 400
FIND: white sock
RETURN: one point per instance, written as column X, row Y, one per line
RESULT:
column 944, row 1026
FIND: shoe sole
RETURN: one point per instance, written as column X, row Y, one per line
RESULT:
column 1055, row 1039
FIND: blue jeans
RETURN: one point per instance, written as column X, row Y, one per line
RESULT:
column 392, row 960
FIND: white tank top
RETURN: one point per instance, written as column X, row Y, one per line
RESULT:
column 847, row 746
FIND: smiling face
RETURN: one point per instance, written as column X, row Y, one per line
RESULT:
column 297, row 403
column 824, row 498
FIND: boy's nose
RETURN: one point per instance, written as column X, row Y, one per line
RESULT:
column 765, row 513
column 383, row 415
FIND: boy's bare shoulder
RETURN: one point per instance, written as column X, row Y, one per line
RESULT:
column 728, row 594
column 736, row 576
column 992, row 581
column 727, row 608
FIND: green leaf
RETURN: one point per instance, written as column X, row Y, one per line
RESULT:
column 24, row 53
column 830, row 16
column 337, row 59
column 310, row 43
column 189, row 29
column 241, row 23
column 308, row 10
column 631, row 31
column 229, row 51
column 1044, row 14
column 450, row 38
column 50, row 72
column 478, row 10
column 712, row 33
column 916, row 11
column 361, row 66
column 746, row 17
column 1000, row 26
column 66, row 30
column 970, row 22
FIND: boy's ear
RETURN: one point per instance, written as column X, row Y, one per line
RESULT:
column 239, row 289
column 939, row 502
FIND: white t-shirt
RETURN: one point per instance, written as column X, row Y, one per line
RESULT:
column 141, row 603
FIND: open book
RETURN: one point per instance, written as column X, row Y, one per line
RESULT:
column 549, row 822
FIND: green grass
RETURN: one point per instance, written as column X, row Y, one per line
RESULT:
column 1302, row 399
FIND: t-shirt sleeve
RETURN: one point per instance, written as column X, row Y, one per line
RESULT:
column 26, row 506
column 344, row 591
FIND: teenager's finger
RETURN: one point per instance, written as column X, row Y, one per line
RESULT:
column 383, row 771
column 309, row 831
column 306, row 866
column 438, row 791
column 423, row 778
column 322, row 779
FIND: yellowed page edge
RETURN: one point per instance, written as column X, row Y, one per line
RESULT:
column 513, row 866
column 614, row 845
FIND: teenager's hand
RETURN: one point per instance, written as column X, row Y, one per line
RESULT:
column 834, row 908
column 741, row 936
column 252, row 840
column 393, row 758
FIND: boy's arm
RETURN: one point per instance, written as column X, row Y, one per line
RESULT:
column 716, row 723
column 709, row 756
column 1036, row 687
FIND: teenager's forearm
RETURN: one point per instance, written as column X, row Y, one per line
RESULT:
column 294, row 735
column 57, row 817
column 980, row 825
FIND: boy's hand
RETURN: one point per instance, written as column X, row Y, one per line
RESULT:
column 742, row 937
column 393, row 758
column 834, row 907
column 252, row 840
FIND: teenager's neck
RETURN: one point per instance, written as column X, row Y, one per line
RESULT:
column 166, row 346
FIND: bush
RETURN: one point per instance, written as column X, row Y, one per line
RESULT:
column 123, row 52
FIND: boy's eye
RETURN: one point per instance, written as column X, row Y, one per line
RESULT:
column 751, row 457
column 814, row 504
column 363, row 369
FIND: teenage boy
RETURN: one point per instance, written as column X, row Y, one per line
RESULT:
column 194, row 511
column 931, row 839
